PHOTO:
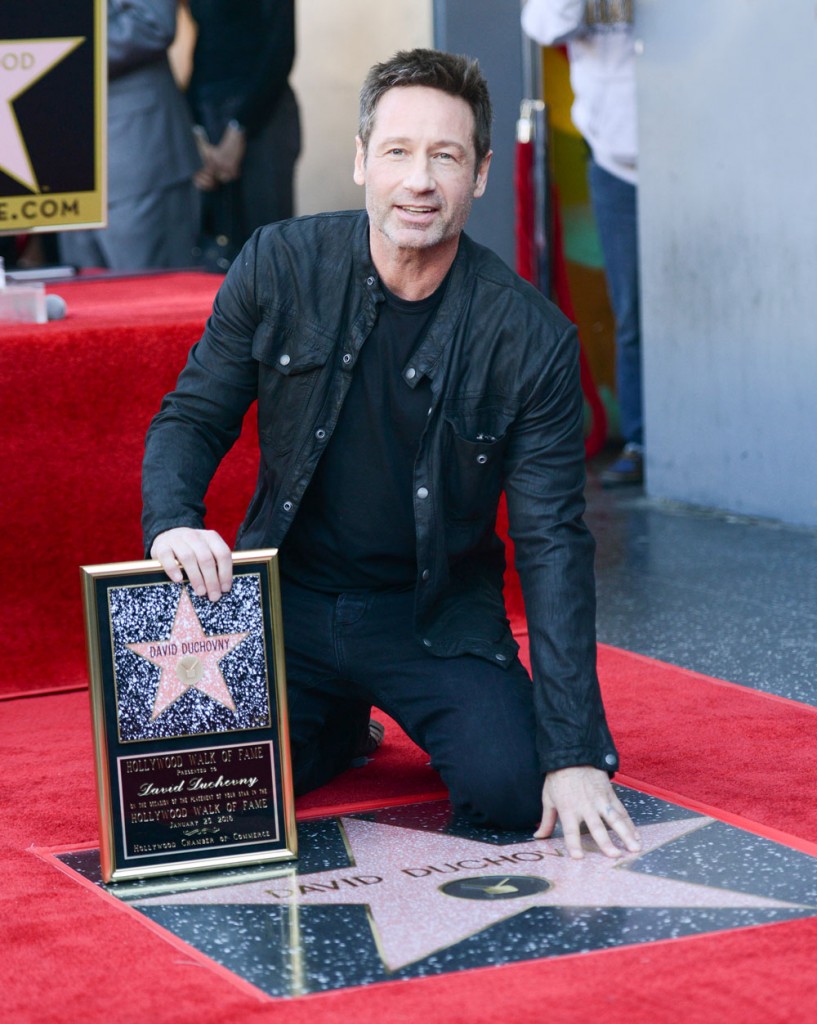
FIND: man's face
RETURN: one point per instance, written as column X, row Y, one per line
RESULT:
column 420, row 170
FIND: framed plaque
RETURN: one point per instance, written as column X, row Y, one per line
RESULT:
column 188, row 700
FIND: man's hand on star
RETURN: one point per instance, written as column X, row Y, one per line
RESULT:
column 584, row 795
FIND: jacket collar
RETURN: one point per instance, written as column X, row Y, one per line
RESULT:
column 429, row 355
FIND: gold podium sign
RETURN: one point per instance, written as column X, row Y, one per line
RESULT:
column 53, row 86
column 188, row 700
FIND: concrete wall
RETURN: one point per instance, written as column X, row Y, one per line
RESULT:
column 491, row 32
column 337, row 44
column 727, row 95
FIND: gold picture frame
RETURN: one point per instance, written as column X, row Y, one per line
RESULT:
column 189, row 712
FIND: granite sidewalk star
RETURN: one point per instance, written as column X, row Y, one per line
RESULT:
column 188, row 659
column 426, row 891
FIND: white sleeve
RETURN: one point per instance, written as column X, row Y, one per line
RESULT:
column 553, row 21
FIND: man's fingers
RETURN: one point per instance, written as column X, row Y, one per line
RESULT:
column 599, row 832
column 169, row 562
column 547, row 824
column 571, row 828
column 203, row 556
column 224, row 562
column 208, row 565
column 620, row 822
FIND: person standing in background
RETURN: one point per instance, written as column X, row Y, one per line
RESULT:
column 599, row 38
column 247, row 119
column 152, row 155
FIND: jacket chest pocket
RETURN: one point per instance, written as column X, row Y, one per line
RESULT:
column 475, row 437
column 292, row 362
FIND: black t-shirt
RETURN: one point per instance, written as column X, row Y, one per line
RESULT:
column 355, row 527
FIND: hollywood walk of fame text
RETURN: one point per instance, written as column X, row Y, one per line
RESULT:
column 214, row 798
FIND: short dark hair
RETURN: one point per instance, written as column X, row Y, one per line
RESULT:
column 451, row 73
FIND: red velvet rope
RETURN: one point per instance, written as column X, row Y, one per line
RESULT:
column 525, row 263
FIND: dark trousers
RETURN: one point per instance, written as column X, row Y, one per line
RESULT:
column 348, row 652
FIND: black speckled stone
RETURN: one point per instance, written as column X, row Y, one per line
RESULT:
column 727, row 596
column 410, row 892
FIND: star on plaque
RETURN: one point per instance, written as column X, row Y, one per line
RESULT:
column 188, row 659
column 24, row 62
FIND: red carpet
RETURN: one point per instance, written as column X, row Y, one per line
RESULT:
column 77, row 397
column 70, row 954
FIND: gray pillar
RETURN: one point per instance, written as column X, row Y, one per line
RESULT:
column 727, row 97
column 490, row 32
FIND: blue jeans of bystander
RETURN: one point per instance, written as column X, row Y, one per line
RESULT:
column 615, row 209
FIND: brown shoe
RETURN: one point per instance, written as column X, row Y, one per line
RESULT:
column 369, row 744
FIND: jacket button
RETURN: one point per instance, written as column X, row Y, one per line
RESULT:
column 610, row 759
column 346, row 359
column 370, row 281
column 422, row 492
column 411, row 373
column 482, row 459
column 320, row 433
column 501, row 657
column 426, row 575
column 284, row 360
column 287, row 506
column 427, row 642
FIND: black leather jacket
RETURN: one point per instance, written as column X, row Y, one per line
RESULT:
column 287, row 326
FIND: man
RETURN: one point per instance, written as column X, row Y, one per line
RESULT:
column 601, row 47
column 404, row 378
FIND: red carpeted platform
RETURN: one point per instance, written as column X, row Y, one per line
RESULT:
column 78, row 395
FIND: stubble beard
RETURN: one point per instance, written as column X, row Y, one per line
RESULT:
column 419, row 237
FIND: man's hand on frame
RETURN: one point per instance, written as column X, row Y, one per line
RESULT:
column 201, row 555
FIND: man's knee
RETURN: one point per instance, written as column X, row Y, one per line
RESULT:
column 500, row 798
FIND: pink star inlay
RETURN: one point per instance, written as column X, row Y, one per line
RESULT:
column 400, row 874
column 188, row 659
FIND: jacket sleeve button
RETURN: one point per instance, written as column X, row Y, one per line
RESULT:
column 610, row 759
column 285, row 360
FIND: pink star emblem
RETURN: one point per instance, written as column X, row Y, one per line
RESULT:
column 188, row 659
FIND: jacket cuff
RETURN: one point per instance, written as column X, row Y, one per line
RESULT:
column 605, row 759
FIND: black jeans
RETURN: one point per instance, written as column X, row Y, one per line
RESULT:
column 347, row 652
